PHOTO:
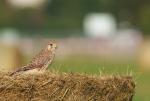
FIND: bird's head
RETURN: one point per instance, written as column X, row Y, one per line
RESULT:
column 51, row 46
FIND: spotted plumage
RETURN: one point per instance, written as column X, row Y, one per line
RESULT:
column 41, row 61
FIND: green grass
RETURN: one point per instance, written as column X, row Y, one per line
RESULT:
column 91, row 65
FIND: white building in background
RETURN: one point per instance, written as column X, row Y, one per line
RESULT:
column 100, row 25
column 26, row 3
column 9, row 36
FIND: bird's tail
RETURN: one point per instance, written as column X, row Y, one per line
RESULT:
column 24, row 68
column 14, row 72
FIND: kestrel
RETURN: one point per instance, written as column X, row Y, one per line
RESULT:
column 41, row 61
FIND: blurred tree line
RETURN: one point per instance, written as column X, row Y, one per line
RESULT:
column 69, row 14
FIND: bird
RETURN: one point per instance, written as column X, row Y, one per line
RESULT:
column 41, row 61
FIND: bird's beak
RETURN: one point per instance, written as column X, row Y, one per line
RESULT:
column 55, row 46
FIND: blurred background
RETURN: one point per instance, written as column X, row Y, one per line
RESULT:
column 93, row 36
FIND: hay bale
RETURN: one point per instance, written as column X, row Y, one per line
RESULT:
column 65, row 87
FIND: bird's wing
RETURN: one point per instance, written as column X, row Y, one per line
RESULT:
column 42, row 58
column 38, row 56
column 26, row 68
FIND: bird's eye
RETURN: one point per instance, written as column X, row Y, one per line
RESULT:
column 51, row 44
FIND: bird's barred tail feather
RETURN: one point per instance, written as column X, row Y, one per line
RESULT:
column 24, row 68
